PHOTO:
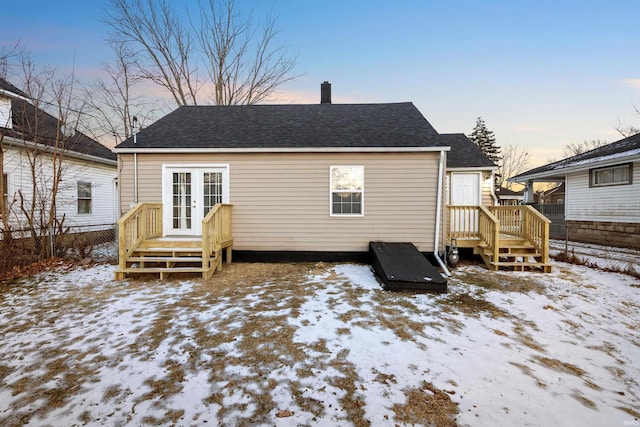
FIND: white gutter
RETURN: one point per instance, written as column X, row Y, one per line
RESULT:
column 553, row 174
column 10, row 94
column 473, row 169
column 19, row 143
column 438, row 209
column 283, row 150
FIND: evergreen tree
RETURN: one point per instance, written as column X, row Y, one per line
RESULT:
column 485, row 140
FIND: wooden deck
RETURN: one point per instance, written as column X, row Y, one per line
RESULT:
column 142, row 248
column 506, row 237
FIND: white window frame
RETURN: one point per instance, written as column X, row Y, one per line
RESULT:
column 593, row 173
column 78, row 198
column 5, row 196
column 332, row 191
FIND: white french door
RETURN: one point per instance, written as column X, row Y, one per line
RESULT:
column 189, row 193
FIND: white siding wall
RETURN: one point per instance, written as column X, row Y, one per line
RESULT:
column 619, row 203
column 17, row 167
column 281, row 201
column 5, row 112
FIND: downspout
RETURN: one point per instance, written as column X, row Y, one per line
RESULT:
column 135, row 177
column 493, row 189
column 135, row 161
column 438, row 210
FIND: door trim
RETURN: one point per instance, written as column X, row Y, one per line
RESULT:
column 167, row 196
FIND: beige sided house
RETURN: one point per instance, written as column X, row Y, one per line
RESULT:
column 301, row 181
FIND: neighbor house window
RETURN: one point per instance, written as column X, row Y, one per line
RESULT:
column 613, row 175
column 347, row 187
column 84, row 197
column 5, row 190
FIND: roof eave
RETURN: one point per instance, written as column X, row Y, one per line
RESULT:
column 559, row 174
column 17, row 143
column 471, row 168
column 130, row 150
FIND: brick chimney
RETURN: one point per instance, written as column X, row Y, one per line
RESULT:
column 325, row 93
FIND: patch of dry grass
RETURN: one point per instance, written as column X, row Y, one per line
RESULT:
column 529, row 372
column 470, row 305
column 560, row 366
column 500, row 281
column 253, row 336
column 427, row 405
column 526, row 338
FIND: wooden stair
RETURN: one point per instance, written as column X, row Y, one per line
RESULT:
column 167, row 256
column 513, row 254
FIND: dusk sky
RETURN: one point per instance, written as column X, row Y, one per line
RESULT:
column 542, row 74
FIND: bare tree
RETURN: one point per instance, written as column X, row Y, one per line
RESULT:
column 112, row 101
column 514, row 160
column 576, row 148
column 627, row 131
column 45, row 117
column 7, row 53
column 243, row 65
column 162, row 45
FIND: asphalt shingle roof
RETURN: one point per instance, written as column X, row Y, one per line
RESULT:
column 35, row 125
column 390, row 125
column 464, row 153
column 616, row 149
column 289, row 126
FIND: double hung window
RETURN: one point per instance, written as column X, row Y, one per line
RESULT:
column 347, row 190
column 84, row 197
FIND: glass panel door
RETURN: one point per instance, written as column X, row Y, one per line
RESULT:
column 181, row 197
column 189, row 194
column 212, row 186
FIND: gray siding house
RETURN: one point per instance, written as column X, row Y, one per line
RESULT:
column 602, row 192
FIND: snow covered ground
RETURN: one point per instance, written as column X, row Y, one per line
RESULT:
column 606, row 257
column 304, row 344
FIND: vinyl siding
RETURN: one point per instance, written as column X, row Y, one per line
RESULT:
column 281, row 201
column 101, row 177
column 619, row 203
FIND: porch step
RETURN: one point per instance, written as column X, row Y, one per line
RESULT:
column 163, row 270
column 162, row 250
column 172, row 244
column 522, row 266
column 523, row 254
column 164, row 259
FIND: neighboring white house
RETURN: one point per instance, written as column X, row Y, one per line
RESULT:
column 87, row 194
column 602, row 192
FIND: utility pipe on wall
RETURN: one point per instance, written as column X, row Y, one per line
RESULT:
column 135, row 161
column 438, row 210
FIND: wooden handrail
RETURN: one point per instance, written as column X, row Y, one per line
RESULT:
column 488, row 223
column 216, row 229
column 535, row 228
column 527, row 223
column 143, row 221
column 489, row 231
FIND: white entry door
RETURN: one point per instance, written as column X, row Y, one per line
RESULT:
column 189, row 193
column 465, row 191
